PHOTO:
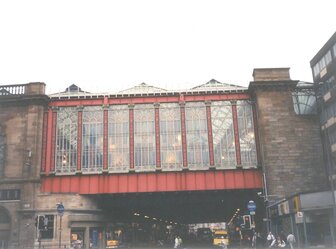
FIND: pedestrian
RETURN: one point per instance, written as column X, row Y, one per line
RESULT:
column 176, row 242
column 223, row 243
column 280, row 242
column 271, row 240
column 179, row 242
column 291, row 240
column 254, row 240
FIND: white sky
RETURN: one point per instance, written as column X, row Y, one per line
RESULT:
column 107, row 46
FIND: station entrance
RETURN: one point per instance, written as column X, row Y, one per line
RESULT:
column 157, row 218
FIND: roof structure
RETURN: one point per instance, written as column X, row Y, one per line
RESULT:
column 143, row 88
column 72, row 90
column 214, row 85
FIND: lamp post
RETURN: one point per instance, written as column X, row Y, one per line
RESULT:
column 60, row 211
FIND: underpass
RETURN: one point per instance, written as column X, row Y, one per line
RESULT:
column 155, row 219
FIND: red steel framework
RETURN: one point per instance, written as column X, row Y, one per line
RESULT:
column 154, row 182
column 185, row 180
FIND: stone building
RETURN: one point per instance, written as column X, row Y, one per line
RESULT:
column 151, row 159
column 21, row 122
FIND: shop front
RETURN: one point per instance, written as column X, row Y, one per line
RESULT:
column 308, row 216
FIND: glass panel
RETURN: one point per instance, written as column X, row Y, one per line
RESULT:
column 246, row 134
column 223, row 134
column 92, row 150
column 66, row 140
column 2, row 153
column 144, row 138
column 197, row 136
column 170, row 136
column 118, row 139
column 304, row 104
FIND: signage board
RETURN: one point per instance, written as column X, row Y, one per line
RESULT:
column 60, row 209
column 251, row 206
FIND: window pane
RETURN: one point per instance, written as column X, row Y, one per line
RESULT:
column 2, row 152
column 170, row 137
column 92, row 150
column 144, row 138
column 66, row 140
column 246, row 134
column 197, row 136
column 118, row 139
column 223, row 134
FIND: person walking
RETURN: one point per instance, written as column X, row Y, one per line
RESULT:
column 280, row 242
column 176, row 244
column 179, row 242
column 254, row 241
column 270, row 240
column 291, row 240
column 223, row 243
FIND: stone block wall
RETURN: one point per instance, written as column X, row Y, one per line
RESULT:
column 291, row 147
column 21, row 120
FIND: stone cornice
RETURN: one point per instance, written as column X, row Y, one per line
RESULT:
column 24, row 100
column 254, row 85
column 18, row 181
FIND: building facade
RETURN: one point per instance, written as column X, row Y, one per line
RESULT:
column 214, row 142
column 324, row 75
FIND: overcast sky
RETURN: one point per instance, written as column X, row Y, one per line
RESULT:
column 107, row 46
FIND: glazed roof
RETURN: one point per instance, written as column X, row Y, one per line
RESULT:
column 145, row 89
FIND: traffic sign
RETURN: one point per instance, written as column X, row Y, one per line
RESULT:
column 251, row 206
column 60, row 208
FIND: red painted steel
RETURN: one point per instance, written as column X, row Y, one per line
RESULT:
column 148, row 99
column 105, row 140
column 184, row 135
column 210, row 141
column 44, row 142
column 49, row 135
column 131, row 136
column 53, row 141
column 79, row 140
column 236, row 133
column 153, row 182
column 157, row 137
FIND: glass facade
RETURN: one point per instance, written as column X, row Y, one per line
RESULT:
column 197, row 135
column 144, row 138
column 118, row 138
column 170, row 136
column 92, row 146
column 153, row 132
column 246, row 134
column 223, row 134
column 66, row 140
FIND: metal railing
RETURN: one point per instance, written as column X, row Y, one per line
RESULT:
column 12, row 89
